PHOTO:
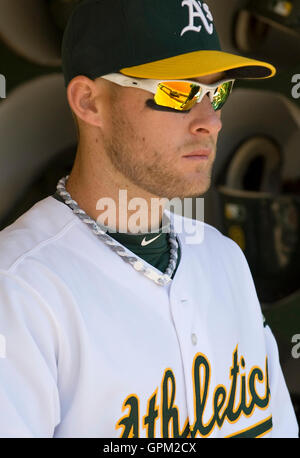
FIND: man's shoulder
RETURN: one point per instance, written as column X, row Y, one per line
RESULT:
column 43, row 222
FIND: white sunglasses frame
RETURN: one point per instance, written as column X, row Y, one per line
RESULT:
column 151, row 85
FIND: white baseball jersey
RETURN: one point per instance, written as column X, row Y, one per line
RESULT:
column 92, row 348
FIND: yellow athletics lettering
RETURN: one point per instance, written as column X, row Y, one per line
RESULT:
column 243, row 395
column 254, row 400
column 243, row 406
column 130, row 422
column 227, row 404
column 185, row 432
column 232, row 414
column 220, row 392
column 247, row 408
column 232, row 410
column 233, row 375
column 149, row 420
column 200, row 396
column 169, row 412
column 256, row 373
column 219, row 399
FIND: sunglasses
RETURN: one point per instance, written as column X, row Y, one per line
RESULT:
column 178, row 95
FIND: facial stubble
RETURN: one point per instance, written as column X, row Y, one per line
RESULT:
column 149, row 169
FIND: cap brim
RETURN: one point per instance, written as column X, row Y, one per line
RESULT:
column 200, row 63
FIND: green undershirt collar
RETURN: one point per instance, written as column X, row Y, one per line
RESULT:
column 156, row 253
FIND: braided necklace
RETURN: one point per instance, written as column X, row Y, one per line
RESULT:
column 100, row 232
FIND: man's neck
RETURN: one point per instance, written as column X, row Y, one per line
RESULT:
column 117, row 207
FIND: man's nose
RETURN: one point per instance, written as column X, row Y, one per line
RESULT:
column 204, row 119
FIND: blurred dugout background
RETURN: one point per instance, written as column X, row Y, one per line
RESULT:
column 255, row 196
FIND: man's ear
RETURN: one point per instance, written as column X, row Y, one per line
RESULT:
column 82, row 93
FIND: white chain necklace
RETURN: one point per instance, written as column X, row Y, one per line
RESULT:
column 137, row 264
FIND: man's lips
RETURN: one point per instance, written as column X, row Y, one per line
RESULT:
column 198, row 155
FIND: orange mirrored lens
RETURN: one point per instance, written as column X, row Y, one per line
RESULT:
column 177, row 94
column 182, row 96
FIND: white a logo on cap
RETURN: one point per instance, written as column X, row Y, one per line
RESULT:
column 200, row 10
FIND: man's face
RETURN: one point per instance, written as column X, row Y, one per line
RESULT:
column 149, row 147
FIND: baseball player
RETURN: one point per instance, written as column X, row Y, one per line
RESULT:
column 112, row 332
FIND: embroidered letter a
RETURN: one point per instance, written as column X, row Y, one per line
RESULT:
column 201, row 10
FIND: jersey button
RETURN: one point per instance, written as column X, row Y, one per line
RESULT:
column 194, row 339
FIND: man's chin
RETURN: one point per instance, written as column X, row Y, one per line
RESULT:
column 184, row 189
column 193, row 191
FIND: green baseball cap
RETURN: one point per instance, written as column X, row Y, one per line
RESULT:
column 155, row 39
